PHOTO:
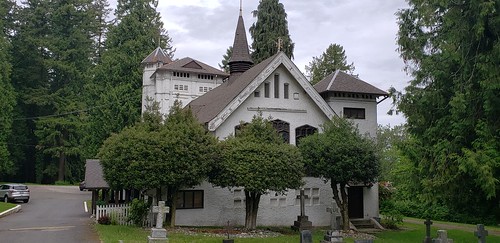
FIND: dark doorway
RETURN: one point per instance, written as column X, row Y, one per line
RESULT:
column 355, row 202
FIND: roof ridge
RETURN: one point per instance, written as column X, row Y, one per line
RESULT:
column 333, row 78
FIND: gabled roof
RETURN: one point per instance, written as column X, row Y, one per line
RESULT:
column 158, row 55
column 215, row 106
column 94, row 177
column 343, row 82
column 188, row 64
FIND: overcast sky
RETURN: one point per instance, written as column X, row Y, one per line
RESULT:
column 204, row 29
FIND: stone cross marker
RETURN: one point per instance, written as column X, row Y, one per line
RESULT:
column 160, row 211
column 481, row 233
column 428, row 224
column 302, row 220
column 158, row 233
column 302, row 198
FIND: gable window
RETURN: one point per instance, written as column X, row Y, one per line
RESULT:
column 283, row 129
column 266, row 90
column 303, row 131
column 256, row 93
column 276, row 86
column 286, row 89
column 354, row 113
column 189, row 199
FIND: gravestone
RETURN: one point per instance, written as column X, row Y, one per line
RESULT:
column 302, row 220
column 428, row 238
column 481, row 233
column 335, row 219
column 158, row 233
column 305, row 236
column 442, row 237
column 364, row 241
column 332, row 236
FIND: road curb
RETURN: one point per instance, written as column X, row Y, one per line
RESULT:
column 10, row 211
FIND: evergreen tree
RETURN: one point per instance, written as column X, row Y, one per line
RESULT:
column 331, row 60
column 452, row 103
column 7, row 98
column 225, row 59
column 117, row 84
column 270, row 31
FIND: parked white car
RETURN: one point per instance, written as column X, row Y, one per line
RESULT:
column 14, row 192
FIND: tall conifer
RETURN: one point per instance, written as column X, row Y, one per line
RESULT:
column 270, row 31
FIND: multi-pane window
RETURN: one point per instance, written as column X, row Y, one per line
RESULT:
column 283, row 129
column 205, row 89
column 303, row 131
column 180, row 87
column 189, row 199
column 354, row 113
column 181, row 74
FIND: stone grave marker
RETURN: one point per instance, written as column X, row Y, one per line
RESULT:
column 305, row 236
column 335, row 219
column 428, row 238
column 481, row 233
column 442, row 237
column 158, row 233
column 302, row 220
column 332, row 236
column 363, row 241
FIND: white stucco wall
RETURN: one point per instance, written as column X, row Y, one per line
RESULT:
column 367, row 125
column 297, row 112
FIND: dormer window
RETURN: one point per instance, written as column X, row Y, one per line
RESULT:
column 181, row 74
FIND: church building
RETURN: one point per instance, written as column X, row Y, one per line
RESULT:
column 276, row 88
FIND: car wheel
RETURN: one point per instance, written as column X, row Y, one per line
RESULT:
column 26, row 200
column 6, row 199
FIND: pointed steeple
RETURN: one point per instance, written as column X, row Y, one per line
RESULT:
column 240, row 60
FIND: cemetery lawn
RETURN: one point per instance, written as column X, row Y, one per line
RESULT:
column 412, row 232
column 129, row 234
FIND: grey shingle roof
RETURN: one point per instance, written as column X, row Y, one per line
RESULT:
column 158, row 55
column 188, row 64
column 343, row 82
column 207, row 106
column 94, row 177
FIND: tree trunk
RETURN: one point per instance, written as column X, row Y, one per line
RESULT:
column 171, row 196
column 252, row 200
column 342, row 203
column 62, row 159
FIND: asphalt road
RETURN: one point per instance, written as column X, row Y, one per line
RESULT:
column 53, row 214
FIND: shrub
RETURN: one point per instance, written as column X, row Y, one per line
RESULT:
column 105, row 219
column 391, row 219
column 138, row 211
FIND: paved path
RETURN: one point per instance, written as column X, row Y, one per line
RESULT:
column 54, row 214
column 448, row 226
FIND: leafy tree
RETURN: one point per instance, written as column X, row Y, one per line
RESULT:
column 331, row 60
column 389, row 142
column 225, row 59
column 452, row 104
column 177, row 154
column 7, row 98
column 258, row 160
column 270, row 26
column 342, row 156
column 117, row 83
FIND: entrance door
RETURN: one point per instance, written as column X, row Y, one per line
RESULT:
column 355, row 198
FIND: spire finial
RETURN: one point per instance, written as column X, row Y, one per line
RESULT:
column 241, row 9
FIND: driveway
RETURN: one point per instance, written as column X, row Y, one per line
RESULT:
column 54, row 214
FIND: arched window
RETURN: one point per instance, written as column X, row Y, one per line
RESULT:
column 303, row 131
column 283, row 129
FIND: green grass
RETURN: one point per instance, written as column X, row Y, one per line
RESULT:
column 416, row 233
column 409, row 232
column 6, row 206
column 129, row 234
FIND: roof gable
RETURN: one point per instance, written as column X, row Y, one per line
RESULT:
column 94, row 176
column 158, row 55
column 342, row 82
column 188, row 64
column 216, row 106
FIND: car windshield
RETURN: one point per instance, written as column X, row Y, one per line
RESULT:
column 20, row 187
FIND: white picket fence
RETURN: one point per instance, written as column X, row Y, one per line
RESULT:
column 118, row 213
